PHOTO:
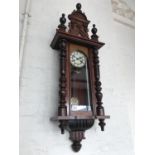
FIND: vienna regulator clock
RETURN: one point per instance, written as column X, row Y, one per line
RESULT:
column 80, row 97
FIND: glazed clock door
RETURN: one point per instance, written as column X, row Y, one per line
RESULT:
column 80, row 88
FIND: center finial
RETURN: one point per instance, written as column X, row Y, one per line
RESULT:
column 78, row 6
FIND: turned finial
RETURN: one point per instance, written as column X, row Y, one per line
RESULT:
column 63, row 19
column 62, row 22
column 94, row 31
column 78, row 6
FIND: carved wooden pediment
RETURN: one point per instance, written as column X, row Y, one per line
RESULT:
column 78, row 23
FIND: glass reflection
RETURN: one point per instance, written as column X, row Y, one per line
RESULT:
column 80, row 88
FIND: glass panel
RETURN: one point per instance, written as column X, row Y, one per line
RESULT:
column 80, row 89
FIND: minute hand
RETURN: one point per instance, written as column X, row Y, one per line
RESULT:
column 79, row 58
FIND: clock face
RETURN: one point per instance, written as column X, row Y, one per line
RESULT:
column 77, row 59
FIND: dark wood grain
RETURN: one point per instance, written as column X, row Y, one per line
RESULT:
column 99, row 95
column 78, row 23
column 62, row 109
column 77, row 38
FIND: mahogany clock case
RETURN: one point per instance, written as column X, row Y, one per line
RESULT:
column 79, row 86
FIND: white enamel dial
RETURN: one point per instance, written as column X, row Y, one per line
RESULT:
column 77, row 59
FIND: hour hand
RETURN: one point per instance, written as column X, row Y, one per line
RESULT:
column 79, row 58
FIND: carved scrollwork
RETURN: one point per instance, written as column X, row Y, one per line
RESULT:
column 78, row 23
column 77, row 131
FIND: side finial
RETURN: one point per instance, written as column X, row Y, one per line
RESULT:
column 62, row 23
column 94, row 31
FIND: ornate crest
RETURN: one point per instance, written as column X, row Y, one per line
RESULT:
column 78, row 23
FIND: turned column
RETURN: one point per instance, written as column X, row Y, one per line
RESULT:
column 62, row 109
column 98, row 88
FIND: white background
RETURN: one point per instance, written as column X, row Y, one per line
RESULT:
column 40, row 73
column 144, row 78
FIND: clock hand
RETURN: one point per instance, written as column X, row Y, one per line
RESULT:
column 79, row 58
column 74, row 56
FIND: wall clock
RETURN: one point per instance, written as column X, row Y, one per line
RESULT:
column 80, row 97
